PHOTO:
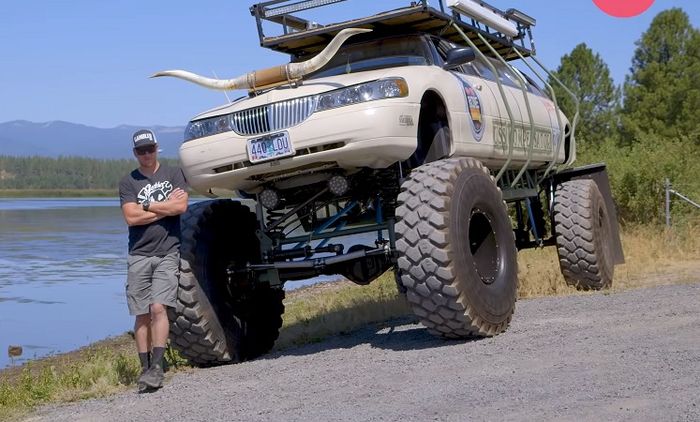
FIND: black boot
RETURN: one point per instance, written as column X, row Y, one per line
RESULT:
column 145, row 359
column 153, row 377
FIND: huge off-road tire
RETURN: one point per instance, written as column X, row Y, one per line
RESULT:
column 583, row 235
column 457, row 256
column 215, row 321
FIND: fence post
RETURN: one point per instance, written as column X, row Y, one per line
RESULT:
column 667, row 188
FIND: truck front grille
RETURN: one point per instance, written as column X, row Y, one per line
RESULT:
column 273, row 117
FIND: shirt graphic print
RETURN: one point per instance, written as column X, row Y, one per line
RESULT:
column 155, row 192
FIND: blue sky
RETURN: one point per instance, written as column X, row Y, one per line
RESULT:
column 88, row 61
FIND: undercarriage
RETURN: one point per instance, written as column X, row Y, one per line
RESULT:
column 343, row 224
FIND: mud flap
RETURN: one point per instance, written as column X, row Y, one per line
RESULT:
column 599, row 174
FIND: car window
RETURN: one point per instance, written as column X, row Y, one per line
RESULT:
column 533, row 87
column 442, row 47
column 376, row 54
column 506, row 75
column 469, row 69
column 483, row 70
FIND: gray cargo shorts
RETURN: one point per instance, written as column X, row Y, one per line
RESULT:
column 151, row 279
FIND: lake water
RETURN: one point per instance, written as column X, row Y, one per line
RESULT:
column 62, row 274
column 62, row 267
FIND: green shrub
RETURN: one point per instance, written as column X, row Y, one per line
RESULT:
column 637, row 175
column 127, row 369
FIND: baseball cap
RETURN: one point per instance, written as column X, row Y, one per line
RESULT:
column 144, row 138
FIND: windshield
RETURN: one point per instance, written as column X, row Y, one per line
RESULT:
column 376, row 54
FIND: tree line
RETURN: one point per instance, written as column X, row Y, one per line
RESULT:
column 648, row 129
column 63, row 172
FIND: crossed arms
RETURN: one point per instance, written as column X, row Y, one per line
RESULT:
column 176, row 204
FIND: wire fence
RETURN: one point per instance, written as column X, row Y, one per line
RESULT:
column 670, row 191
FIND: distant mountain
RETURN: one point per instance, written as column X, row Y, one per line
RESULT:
column 53, row 139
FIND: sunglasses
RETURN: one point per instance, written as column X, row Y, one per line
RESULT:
column 145, row 150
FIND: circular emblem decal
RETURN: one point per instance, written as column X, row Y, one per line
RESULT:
column 474, row 109
column 623, row 8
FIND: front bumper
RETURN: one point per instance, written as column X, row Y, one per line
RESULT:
column 363, row 135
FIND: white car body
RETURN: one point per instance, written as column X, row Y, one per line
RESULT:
column 377, row 134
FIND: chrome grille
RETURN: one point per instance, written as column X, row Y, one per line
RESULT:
column 273, row 117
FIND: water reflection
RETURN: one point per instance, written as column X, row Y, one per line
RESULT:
column 62, row 266
column 26, row 300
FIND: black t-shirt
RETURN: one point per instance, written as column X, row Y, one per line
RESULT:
column 163, row 236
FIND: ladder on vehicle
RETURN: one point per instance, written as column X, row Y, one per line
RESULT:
column 523, row 87
column 524, row 23
column 465, row 14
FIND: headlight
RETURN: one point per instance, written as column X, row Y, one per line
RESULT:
column 370, row 91
column 208, row 127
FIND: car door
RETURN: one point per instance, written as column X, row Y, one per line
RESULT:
column 500, row 119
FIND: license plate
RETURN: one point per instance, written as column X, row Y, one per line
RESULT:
column 270, row 147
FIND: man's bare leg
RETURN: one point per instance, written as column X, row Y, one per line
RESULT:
column 159, row 332
column 141, row 334
column 160, row 327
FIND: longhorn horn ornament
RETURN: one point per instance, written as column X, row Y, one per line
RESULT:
column 272, row 75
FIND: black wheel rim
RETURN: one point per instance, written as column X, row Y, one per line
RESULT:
column 483, row 245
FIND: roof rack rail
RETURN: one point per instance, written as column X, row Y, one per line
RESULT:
column 505, row 30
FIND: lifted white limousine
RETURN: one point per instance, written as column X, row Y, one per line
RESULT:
column 411, row 125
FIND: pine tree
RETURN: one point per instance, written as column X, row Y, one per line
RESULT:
column 662, row 93
column 588, row 77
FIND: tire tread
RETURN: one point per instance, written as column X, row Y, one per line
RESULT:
column 579, row 259
column 423, row 242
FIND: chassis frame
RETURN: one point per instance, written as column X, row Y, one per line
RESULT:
column 326, row 217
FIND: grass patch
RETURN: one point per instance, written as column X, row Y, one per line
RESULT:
column 93, row 371
column 653, row 256
column 336, row 308
column 98, row 370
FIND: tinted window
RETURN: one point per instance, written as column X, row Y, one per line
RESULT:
column 506, row 75
column 533, row 87
column 469, row 69
column 377, row 54
column 442, row 47
column 484, row 71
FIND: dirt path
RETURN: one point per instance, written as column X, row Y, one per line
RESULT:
column 633, row 355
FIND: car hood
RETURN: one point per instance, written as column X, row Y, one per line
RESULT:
column 309, row 87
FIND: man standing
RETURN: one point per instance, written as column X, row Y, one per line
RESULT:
column 152, row 198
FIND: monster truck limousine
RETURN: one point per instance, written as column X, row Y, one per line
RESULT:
column 412, row 124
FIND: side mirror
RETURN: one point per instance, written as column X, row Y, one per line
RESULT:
column 457, row 57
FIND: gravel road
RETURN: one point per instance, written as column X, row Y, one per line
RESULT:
column 633, row 355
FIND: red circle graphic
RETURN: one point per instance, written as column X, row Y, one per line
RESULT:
column 623, row 8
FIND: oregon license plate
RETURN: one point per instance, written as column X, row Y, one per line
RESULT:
column 269, row 147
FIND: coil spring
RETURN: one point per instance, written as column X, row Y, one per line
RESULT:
column 387, row 185
column 274, row 215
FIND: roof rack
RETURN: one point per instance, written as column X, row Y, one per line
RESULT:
column 504, row 30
